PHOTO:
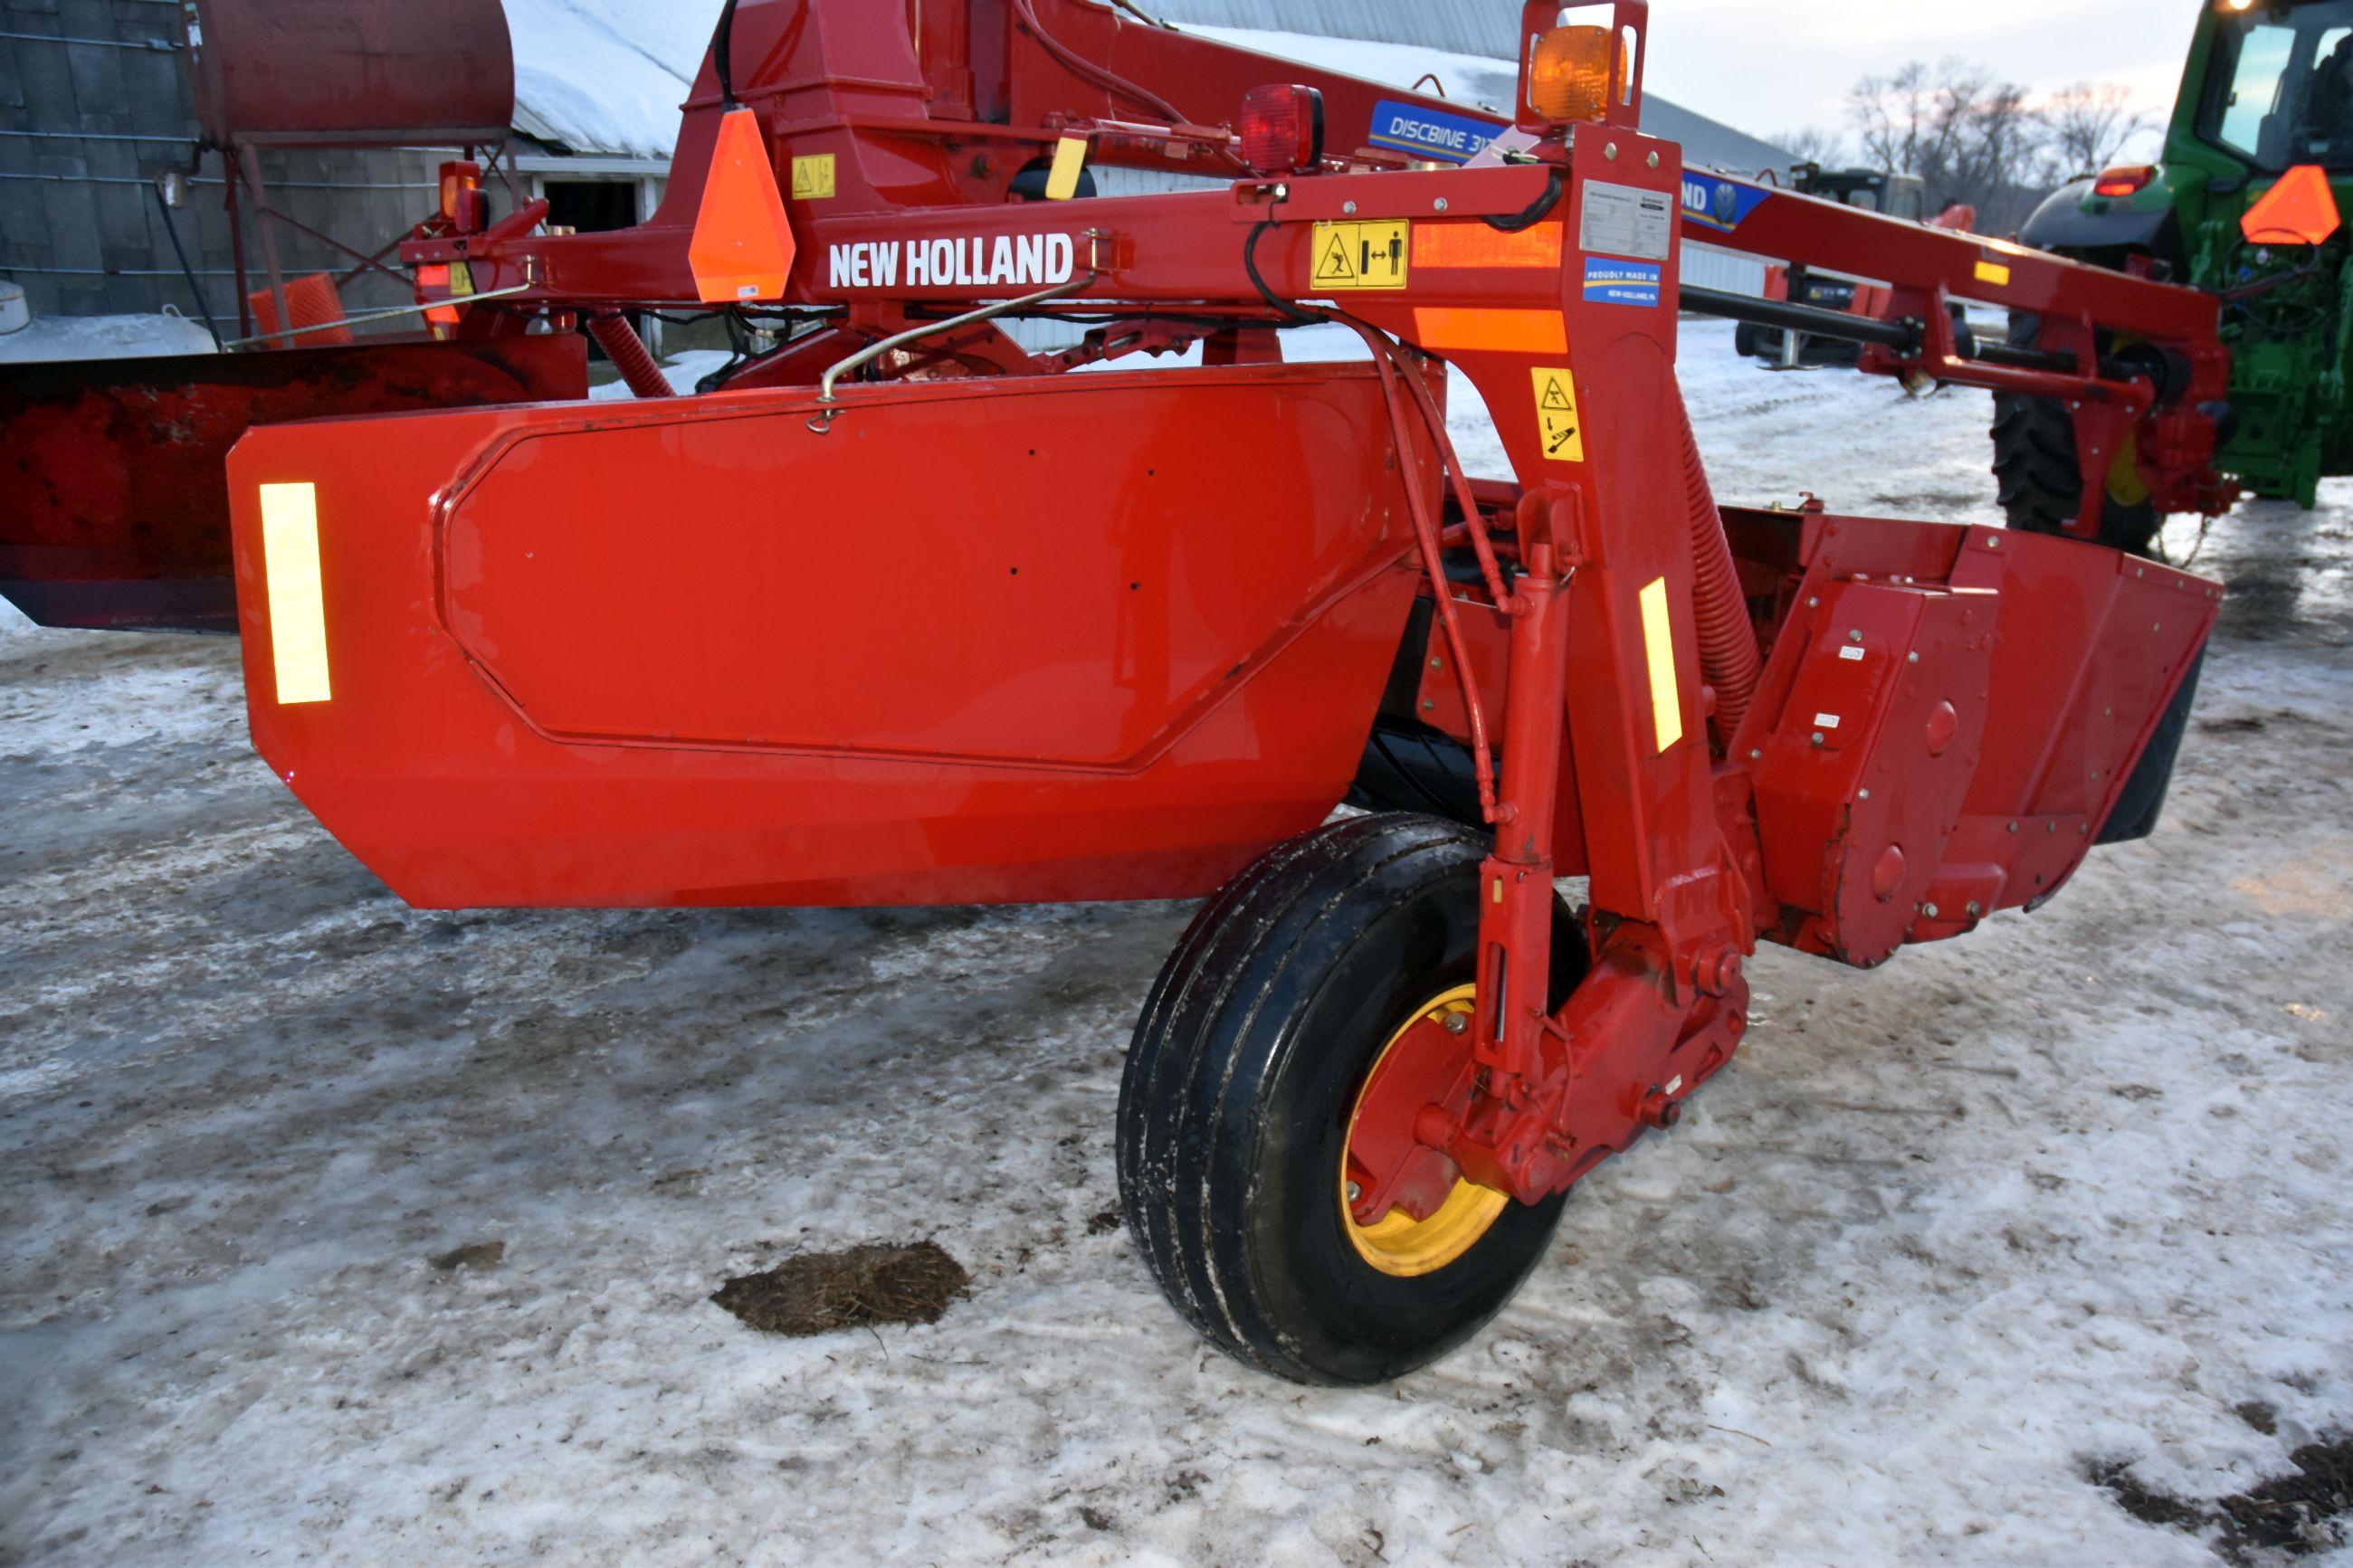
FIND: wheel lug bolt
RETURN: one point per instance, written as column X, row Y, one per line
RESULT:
column 1457, row 1022
column 1355, row 1192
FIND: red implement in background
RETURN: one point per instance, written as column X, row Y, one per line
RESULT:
column 112, row 514
column 117, row 499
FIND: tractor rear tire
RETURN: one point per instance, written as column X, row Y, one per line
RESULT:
column 2042, row 482
column 1242, row 1088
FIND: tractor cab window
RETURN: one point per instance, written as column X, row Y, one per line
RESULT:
column 2280, row 89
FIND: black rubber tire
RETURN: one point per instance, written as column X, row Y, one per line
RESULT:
column 1413, row 768
column 1246, row 1064
column 2041, row 483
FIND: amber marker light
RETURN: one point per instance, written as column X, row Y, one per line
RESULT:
column 1568, row 76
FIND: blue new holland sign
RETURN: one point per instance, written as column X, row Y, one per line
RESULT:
column 1623, row 283
column 1714, row 202
column 1427, row 134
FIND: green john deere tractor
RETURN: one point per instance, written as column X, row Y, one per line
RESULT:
column 2269, row 89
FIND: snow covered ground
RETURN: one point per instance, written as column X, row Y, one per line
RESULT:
column 2067, row 1193
column 103, row 337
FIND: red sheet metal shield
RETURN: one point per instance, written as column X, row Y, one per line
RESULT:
column 1080, row 637
column 743, row 247
column 1950, row 721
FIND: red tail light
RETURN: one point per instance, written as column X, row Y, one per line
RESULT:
column 2128, row 181
column 1282, row 129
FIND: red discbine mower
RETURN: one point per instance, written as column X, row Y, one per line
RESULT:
column 908, row 612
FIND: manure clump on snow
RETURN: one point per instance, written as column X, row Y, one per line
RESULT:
column 2295, row 1515
column 820, row 1292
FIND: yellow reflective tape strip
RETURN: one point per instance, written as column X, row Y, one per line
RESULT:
column 1501, row 331
column 298, row 598
column 1993, row 272
column 1070, row 161
column 1659, row 639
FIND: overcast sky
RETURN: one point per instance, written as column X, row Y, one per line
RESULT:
column 1769, row 68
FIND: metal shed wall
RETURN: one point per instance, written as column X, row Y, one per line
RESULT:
column 1463, row 27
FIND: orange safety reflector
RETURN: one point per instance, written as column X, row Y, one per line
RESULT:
column 2300, row 210
column 314, row 308
column 743, row 247
column 437, row 279
column 1501, row 331
column 1468, row 245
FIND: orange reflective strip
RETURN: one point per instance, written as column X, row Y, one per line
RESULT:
column 2300, row 210
column 1476, row 245
column 1504, row 331
column 437, row 279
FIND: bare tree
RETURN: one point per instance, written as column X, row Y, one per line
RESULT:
column 2090, row 124
column 1893, row 117
column 1969, row 135
column 1816, row 145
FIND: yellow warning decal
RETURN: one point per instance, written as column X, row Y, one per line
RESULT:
column 1993, row 272
column 813, row 178
column 1557, row 416
column 298, row 600
column 1350, row 255
column 1070, row 162
column 461, row 280
column 1659, row 643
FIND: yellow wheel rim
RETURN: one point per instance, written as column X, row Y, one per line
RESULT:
column 2125, row 487
column 1397, row 1244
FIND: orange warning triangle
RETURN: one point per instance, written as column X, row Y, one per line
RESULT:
column 743, row 247
column 2299, row 210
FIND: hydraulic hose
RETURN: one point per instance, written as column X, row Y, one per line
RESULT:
column 1727, row 638
column 1433, row 562
column 629, row 356
column 722, row 55
column 1086, row 70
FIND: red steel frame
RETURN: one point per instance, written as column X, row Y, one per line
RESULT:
column 927, row 119
column 1944, row 718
